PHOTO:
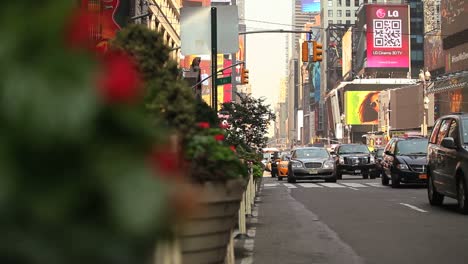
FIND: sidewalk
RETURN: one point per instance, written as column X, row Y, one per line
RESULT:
column 282, row 230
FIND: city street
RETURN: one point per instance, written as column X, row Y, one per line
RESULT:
column 355, row 221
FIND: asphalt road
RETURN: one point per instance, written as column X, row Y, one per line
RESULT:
column 356, row 221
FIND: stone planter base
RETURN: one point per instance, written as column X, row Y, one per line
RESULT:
column 205, row 236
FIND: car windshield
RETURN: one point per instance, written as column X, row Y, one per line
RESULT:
column 412, row 147
column 465, row 131
column 311, row 153
column 353, row 149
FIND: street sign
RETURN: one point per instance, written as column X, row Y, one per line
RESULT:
column 224, row 80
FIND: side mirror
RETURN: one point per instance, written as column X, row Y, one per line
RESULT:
column 448, row 142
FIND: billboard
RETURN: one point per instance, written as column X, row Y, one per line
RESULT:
column 388, row 36
column 457, row 58
column 362, row 107
column 310, row 5
column 347, row 51
column 434, row 56
column 453, row 15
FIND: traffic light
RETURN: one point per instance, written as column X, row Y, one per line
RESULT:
column 245, row 76
column 317, row 51
column 305, row 51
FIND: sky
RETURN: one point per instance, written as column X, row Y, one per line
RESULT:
column 266, row 53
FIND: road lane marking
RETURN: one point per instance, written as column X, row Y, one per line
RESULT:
column 414, row 207
column 353, row 188
column 290, row 186
column 309, row 185
column 374, row 184
column 353, row 184
column 332, row 185
column 270, row 184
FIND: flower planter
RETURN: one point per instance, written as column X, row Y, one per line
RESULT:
column 205, row 236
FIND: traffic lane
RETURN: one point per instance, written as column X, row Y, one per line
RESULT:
column 381, row 230
column 287, row 232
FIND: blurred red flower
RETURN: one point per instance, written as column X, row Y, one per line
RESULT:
column 219, row 137
column 165, row 163
column 233, row 148
column 224, row 125
column 203, row 125
column 119, row 81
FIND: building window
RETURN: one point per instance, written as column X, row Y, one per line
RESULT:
column 348, row 13
column 339, row 21
column 356, row 2
column 348, row 22
column 348, row 3
column 330, row 13
column 339, row 13
column 338, row 3
column 330, row 22
column 374, row 1
column 330, row 3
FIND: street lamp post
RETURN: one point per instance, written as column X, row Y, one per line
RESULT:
column 425, row 77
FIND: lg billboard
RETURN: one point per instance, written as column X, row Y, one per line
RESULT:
column 388, row 37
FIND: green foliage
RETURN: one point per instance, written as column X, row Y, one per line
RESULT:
column 75, row 186
column 211, row 159
column 249, row 121
column 167, row 94
column 257, row 170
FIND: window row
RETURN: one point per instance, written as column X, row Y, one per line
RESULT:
column 348, row 2
column 339, row 13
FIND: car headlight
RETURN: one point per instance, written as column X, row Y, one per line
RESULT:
column 328, row 164
column 402, row 166
column 341, row 160
column 372, row 159
column 296, row 165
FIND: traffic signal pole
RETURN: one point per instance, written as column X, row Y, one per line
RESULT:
column 214, row 59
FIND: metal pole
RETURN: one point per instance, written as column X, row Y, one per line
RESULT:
column 424, row 110
column 214, row 59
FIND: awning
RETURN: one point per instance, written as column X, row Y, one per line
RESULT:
column 449, row 82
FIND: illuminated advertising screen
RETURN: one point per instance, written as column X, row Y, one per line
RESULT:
column 310, row 5
column 388, row 37
column 453, row 15
column 362, row 107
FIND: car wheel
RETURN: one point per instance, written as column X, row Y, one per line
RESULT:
column 339, row 175
column 435, row 198
column 291, row 178
column 365, row 175
column 395, row 181
column 333, row 179
column 280, row 178
column 462, row 196
column 385, row 179
column 373, row 175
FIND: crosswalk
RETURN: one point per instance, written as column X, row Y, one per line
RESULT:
column 351, row 185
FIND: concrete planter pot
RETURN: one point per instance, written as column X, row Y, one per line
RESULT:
column 205, row 236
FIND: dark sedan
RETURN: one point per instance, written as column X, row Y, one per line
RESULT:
column 311, row 163
column 405, row 161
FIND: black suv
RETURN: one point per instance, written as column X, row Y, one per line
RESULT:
column 447, row 156
column 405, row 161
column 354, row 159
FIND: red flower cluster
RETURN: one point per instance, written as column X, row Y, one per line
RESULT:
column 203, row 125
column 219, row 137
column 166, row 164
column 119, row 81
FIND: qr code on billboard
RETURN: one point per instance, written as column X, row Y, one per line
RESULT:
column 387, row 33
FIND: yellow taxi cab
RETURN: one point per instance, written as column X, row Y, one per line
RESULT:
column 283, row 166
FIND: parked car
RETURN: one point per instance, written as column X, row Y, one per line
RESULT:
column 354, row 159
column 378, row 157
column 404, row 161
column 447, row 156
column 283, row 166
column 311, row 163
